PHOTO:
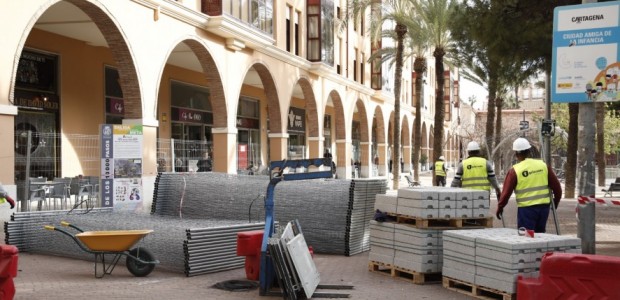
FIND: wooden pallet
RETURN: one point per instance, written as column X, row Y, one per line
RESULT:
column 416, row 277
column 408, row 275
column 379, row 267
column 476, row 291
column 443, row 223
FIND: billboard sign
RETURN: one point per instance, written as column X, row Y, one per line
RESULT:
column 585, row 62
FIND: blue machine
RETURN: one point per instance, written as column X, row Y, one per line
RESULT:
column 267, row 272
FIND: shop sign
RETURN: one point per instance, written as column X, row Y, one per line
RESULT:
column 296, row 120
column 116, row 106
column 247, row 123
column 191, row 116
column 36, row 101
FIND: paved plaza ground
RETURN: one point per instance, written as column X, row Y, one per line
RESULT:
column 50, row 277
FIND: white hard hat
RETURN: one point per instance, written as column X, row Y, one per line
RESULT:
column 441, row 157
column 473, row 146
column 521, row 144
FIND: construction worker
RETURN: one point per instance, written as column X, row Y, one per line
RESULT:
column 532, row 181
column 440, row 172
column 4, row 197
column 475, row 172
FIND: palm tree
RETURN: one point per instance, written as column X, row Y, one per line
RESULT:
column 396, row 13
column 437, row 15
column 418, row 44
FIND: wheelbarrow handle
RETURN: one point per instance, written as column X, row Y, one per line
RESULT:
column 67, row 224
column 54, row 228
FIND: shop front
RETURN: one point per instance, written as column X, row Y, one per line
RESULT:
column 37, row 142
column 296, row 133
column 191, row 127
column 248, row 136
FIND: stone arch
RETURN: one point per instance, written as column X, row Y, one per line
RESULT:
column 311, row 106
column 214, row 82
column 121, row 54
column 116, row 42
column 340, row 121
column 274, row 111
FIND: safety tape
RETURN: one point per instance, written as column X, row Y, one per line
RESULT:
column 586, row 199
column 590, row 199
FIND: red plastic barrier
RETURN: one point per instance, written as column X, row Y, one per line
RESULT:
column 248, row 245
column 573, row 276
column 249, row 242
column 8, row 270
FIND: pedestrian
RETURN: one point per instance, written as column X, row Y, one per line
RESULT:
column 4, row 197
column 327, row 154
column 532, row 181
column 440, row 172
column 475, row 172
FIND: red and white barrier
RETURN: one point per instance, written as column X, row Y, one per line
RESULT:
column 586, row 199
column 589, row 199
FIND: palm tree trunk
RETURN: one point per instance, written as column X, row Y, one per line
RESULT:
column 419, row 66
column 491, row 106
column 570, row 167
column 600, row 142
column 401, row 30
column 498, row 137
column 440, row 110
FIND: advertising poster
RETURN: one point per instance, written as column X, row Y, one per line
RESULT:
column 121, row 166
column 585, row 65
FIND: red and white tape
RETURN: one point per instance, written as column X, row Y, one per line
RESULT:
column 586, row 199
column 589, row 199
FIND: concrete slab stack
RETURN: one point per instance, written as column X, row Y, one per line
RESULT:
column 495, row 257
column 416, row 249
column 421, row 215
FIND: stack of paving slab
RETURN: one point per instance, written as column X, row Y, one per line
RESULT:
column 495, row 257
column 442, row 202
column 420, row 249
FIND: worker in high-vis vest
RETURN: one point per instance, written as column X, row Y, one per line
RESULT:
column 4, row 197
column 475, row 172
column 532, row 182
column 440, row 172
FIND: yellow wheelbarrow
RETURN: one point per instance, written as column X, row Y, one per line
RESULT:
column 140, row 262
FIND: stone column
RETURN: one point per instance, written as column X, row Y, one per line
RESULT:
column 224, row 150
column 344, row 167
column 365, row 169
column 407, row 159
column 278, row 146
column 382, row 151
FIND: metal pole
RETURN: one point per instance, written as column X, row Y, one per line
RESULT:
column 586, row 213
column 547, row 137
column 586, row 227
column 26, row 200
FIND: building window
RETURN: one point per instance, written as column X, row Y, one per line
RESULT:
column 248, row 135
column 320, row 16
column 362, row 63
column 256, row 13
column 297, row 32
column 288, row 28
column 114, row 103
column 355, row 66
column 261, row 15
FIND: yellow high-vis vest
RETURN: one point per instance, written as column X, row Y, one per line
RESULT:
column 475, row 174
column 439, row 169
column 532, row 183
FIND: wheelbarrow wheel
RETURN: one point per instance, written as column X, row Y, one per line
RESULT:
column 137, row 268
